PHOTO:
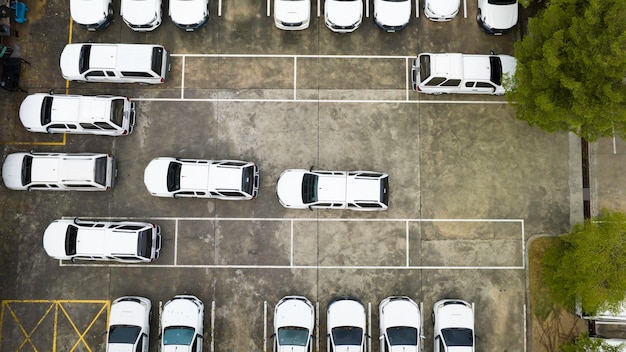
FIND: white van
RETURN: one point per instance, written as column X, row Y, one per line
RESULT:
column 461, row 73
column 115, row 63
column 59, row 171
column 101, row 115
column 607, row 326
column 123, row 241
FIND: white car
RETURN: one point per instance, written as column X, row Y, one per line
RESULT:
column 392, row 15
column 441, row 10
column 142, row 15
column 92, row 14
column 80, row 114
column 129, row 325
column 497, row 16
column 189, row 15
column 197, row 178
column 292, row 15
column 453, row 321
column 355, row 190
column 294, row 320
column 59, row 171
column 346, row 325
column 343, row 16
column 400, row 325
column 123, row 241
column 182, row 324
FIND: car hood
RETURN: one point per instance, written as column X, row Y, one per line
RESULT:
column 175, row 348
column 30, row 111
column 292, row 349
column 460, row 349
column 180, row 312
column 292, row 11
column 12, row 171
column 127, row 313
column 500, row 16
column 155, row 175
column 289, row 187
column 88, row 11
column 54, row 240
column 140, row 12
column 344, row 13
column 392, row 13
column 187, row 12
column 120, row 347
column 69, row 61
column 344, row 348
column 406, row 348
column 294, row 313
column 346, row 313
column 444, row 7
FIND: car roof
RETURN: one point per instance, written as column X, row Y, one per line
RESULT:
column 121, row 56
column 331, row 188
column 360, row 188
column 60, row 167
column 194, row 176
column 224, row 177
column 106, row 241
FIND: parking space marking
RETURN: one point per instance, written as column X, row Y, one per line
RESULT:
column 417, row 8
column 295, row 98
column 55, row 306
column 212, row 326
column 61, row 143
column 268, row 8
column 265, row 326
column 369, row 325
column 464, row 8
column 291, row 265
column 219, row 8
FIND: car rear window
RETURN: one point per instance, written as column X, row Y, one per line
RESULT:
column 70, row 240
column 101, row 171
column 117, row 112
column 46, row 111
column 83, row 60
column 144, row 246
column 157, row 60
column 309, row 188
column 384, row 191
column 27, row 170
column 502, row 2
column 247, row 180
column 424, row 67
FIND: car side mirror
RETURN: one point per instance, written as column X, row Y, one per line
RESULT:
column 310, row 207
column 311, row 168
column 51, row 91
column 273, row 336
column 368, row 336
column 73, row 260
column 492, row 52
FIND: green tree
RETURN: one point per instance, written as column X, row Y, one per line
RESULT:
column 571, row 70
column 586, row 344
column 588, row 265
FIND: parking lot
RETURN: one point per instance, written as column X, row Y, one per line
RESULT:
column 468, row 182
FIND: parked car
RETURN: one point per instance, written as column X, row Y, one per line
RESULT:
column 461, row 73
column 115, row 63
column 346, row 325
column 129, row 325
column 400, row 325
column 91, row 14
column 294, row 321
column 291, row 15
column 189, row 15
column 355, row 190
column 343, row 16
column 392, row 15
column 441, row 10
column 453, row 321
column 80, row 114
column 59, row 171
column 497, row 16
column 182, row 324
column 119, row 241
column 142, row 15
column 198, row 178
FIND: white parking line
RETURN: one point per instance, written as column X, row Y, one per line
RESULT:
column 264, row 326
column 369, row 326
column 406, row 78
column 212, row 326
column 175, row 242
column 367, row 8
column 268, row 8
column 417, row 8
column 330, row 101
column 219, row 8
column 317, row 326
column 464, row 8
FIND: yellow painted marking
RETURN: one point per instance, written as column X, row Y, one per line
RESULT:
column 40, row 143
column 106, row 305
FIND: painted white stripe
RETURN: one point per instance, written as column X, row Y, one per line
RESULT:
column 369, row 325
column 406, row 78
column 219, row 9
column 268, row 8
column 176, row 242
column 332, row 101
column 408, row 264
column 264, row 326
column 299, row 56
column 525, row 332
column 314, row 267
column 367, row 8
column 318, row 8
column 171, row 218
column 295, row 78
column 317, row 326
column 182, row 83
column 464, row 8
column 291, row 246
column 212, row 326
column 417, row 8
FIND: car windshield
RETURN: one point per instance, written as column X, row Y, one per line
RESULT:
column 27, row 170
column 293, row 336
column 71, row 235
column 347, row 335
column 402, row 336
column 309, row 188
column 117, row 112
column 145, row 244
column 178, row 335
column 496, row 70
column 124, row 334
column 424, row 67
column 46, row 111
column 458, row 337
column 173, row 176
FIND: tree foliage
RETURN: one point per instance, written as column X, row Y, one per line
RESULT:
column 586, row 344
column 571, row 70
column 588, row 265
